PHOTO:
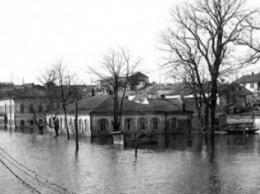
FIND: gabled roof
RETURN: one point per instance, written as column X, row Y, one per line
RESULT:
column 249, row 78
column 140, row 96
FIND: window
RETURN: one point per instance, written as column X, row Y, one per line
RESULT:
column 31, row 122
column 142, row 123
column 71, row 123
column 173, row 123
column 22, row 123
column 80, row 125
column 86, row 125
column 22, row 108
column 102, row 124
column 252, row 85
column 128, row 124
column 61, row 123
column 74, row 123
column 31, row 108
column 155, row 123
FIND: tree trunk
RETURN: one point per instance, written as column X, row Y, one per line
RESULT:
column 206, row 119
column 76, row 126
column 66, row 121
column 56, row 132
column 213, row 103
column 56, row 127
column 116, row 122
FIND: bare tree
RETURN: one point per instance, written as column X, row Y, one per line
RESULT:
column 36, row 109
column 64, row 79
column 213, row 35
column 53, row 105
column 119, row 66
column 58, row 81
column 76, row 96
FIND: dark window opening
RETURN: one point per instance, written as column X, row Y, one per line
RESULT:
column 102, row 124
column 142, row 123
column 155, row 123
column 22, row 123
column 31, row 122
column 22, row 108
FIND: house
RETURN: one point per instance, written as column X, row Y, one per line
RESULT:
column 135, row 81
column 235, row 98
column 95, row 116
column 138, row 80
column 250, row 82
column 17, row 106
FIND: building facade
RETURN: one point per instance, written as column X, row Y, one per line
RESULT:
column 95, row 118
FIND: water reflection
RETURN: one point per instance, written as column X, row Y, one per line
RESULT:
column 177, row 163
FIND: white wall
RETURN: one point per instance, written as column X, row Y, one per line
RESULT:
column 7, row 107
column 84, row 127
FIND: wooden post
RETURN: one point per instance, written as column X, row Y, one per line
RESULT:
column 76, row 126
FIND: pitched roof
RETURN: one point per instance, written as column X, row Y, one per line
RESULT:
column 22, row 93
column 87, row 105
column 138, row 74
column 105, row 104
column 173, row 89
column 234, row 89
column 249, row 78
column 140, row 96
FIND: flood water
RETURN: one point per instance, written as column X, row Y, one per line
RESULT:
column 176, row 164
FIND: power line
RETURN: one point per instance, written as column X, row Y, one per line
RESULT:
column 27, row 185
column 43, row 182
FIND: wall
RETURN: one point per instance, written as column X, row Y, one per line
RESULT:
column 83, row 124
column 182, row 125
column 7, row 108
column 24, row 118
column 254, row 89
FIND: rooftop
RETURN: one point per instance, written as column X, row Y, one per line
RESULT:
column 249, row 78
column 105, row 104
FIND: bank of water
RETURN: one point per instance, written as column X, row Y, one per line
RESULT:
column 176, row 164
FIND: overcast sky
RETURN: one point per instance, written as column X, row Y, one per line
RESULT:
column 36, row 33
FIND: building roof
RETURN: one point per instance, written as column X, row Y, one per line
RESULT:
column 249, row 78
column 171, row 90
column 138, row 74
column 140, row 97
column 105, row 104
column 234, row 89
column 87, row 105
column 23, row 92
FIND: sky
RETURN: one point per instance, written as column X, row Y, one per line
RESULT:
column 34, row 34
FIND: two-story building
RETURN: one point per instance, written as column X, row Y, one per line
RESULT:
column 17, row 106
